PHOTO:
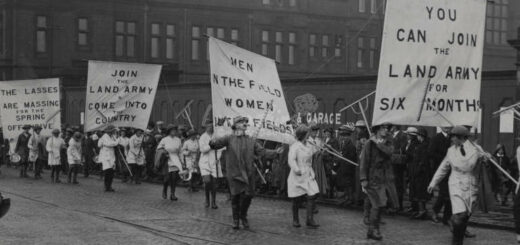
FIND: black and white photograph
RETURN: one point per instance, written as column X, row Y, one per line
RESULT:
column 392, row 122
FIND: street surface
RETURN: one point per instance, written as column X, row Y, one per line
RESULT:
column 46, row 213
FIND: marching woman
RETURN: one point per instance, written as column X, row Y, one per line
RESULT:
column 420, row 173
column 190, row 151
column 54, row 145
column 172, row 144
column 107, row 155
column 462, row 159
column 301, row 183
column 209, row 166
column 375, row 169
column 135, row 156
column 74, row 157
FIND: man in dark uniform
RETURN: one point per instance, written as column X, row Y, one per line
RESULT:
column 438, row 148
column 241, row 171
column 22, row 149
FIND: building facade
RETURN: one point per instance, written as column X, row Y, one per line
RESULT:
column 326, row 47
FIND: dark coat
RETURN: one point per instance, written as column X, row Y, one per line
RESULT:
column 438, row 148
column 399, row 142
column 346, row 172
column 161, row 162
column 240, row 155
column 420, row 171
column 21, row 146
column 375, row 166
column 375, row 163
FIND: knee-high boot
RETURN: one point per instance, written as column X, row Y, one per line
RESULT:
column 295, row 213
column 235, row 209
column 166, row 183
column 373, row 228
column 213, row 193
column 207, row 191
column 75, row 175
column 459, row 222
column 245, row 202
column 311, row 205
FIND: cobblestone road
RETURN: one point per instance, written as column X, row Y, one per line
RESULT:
column 45, row 213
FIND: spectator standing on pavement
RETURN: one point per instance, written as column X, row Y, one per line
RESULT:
column 107, row 155
column 210, row 167
column 22, row 150
column 463, row 160
column 74, row 157
column 301, row 183
column 54, row 146
column 329, row 161
column 504, row 186
column 172, row 144
column 317, row 159
column 241, row 171
column 375, row 166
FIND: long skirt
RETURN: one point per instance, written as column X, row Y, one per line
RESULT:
column 319, row 171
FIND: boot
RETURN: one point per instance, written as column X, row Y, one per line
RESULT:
column 75, row 176
column 295, row 213
column 206, row 192
column 459, row 228
column 422, row 214
column 311, row 204
column 165, row 192
column 214, row 199
column 374, row 233
column 245, row 202
column 235, row 205
column 69, row 180
column 173, row 197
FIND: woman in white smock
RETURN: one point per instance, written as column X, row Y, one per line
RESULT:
column 107, row 155
column 301, row 183
column 54, row 145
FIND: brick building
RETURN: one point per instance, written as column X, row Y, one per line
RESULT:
column 327, row 46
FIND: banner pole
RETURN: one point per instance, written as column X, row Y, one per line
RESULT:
column 357, row 101
column 365, row 118
column 423, row 99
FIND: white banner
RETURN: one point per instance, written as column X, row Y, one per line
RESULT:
column 431, row 50
column 247, row 84
column 120, row 94
column 29, row 102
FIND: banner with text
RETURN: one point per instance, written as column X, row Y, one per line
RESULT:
column 120, row 94
column 29, row 102
column 247, row 84
column 431, row 60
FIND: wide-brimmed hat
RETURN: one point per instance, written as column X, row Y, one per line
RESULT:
column 459, row 131
column 412, row 130
column 37, row 127
column 56, row 131
column 345, row 129
column 301, row 132
column 110, row 128
column 27, row 126
column 240, row 119
column 360, row 123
